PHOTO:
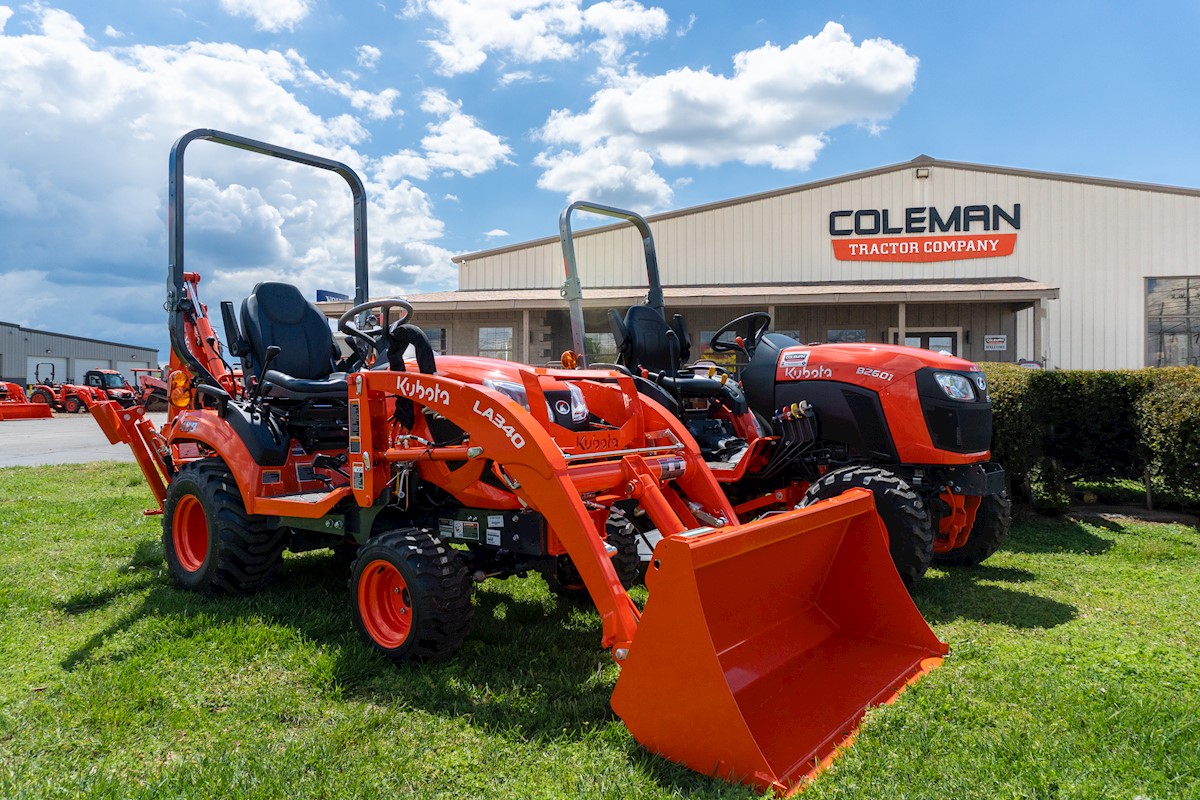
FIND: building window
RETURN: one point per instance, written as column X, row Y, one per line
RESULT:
column 601, row 348
column 437, row 339
column 496, row 343
column 843, row 335
column 1173, row 322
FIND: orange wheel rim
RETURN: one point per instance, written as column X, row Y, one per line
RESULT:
column 385, row 604
column 189, row 533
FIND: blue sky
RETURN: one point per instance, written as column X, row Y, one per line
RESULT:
column 474, row 123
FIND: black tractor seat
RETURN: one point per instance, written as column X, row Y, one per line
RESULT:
column 276, row 314
column 282, row 385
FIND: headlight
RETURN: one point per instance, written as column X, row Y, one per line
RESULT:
column 513, row 391
column 579, row 409
column 956, row 386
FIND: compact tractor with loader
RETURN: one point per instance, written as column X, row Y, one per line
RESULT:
column 760, row 645
column 14, row 404
column 69, row 397
column 803, row 423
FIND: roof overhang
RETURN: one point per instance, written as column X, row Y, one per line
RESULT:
column 991, row 290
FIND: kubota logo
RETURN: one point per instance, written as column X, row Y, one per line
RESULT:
column 419, row 391
column 496, row 418
column 805, row 373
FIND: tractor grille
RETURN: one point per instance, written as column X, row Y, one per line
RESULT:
column 961, row 428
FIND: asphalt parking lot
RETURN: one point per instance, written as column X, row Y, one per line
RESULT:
column 64, row 439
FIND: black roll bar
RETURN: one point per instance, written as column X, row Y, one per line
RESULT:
column 175, row 269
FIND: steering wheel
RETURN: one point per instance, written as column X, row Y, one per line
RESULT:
column 754, row 325
column 375, row 337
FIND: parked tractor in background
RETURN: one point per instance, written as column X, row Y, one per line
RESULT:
column 760, row 645
column 14, row 404
column 113, row 384
column 803, row 423
column 68, row 397
column 151, row 391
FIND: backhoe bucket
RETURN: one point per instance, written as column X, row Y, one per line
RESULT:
column 761, row 646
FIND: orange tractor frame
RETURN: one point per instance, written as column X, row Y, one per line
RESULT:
column 760, row 645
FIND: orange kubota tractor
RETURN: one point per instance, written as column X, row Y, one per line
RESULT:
column 760, row 644
column 14, row 404
column 802, row 423
column 69, row 397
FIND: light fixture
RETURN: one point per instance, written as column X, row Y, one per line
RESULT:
column 922, row 172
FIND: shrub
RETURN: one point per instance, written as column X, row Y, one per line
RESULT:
column 1090, row 421
column 1052, row 427
column 1169, row 419
column 1016, row 428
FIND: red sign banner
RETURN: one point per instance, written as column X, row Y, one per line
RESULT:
column 925, row 248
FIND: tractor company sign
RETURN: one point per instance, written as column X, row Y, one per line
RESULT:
column 870, row 234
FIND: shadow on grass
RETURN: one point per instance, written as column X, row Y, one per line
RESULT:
column 532, row 665
column 972, row 593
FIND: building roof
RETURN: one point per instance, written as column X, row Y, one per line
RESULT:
column 919, row 161
column 106, row 342
column 978, row 290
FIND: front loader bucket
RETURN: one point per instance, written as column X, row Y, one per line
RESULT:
column 25, row 411
column 762, row 645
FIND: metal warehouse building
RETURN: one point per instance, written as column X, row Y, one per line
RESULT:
column 989, row 263
column 23, row 349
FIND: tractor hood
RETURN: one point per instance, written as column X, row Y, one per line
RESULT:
column 864, row 364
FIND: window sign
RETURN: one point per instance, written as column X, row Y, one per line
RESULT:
column 995, row 342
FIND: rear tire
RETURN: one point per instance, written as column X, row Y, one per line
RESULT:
column 989, row 531
column 212, row 545
column 905, row 515
column 410, row 596
column 40, row 395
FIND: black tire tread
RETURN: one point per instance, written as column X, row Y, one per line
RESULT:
column 992, row 521
column 247, row 553
column 438, row 575
column 626, row 561
column 905, row 515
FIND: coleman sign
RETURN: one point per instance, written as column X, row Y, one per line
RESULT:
column 978, row 231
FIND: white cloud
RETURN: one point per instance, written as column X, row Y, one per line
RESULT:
column 86, row 131
column 605, row 173
column 775, row 109
column 109, row 31
column 519, row 76
column 5, row 15
column 495, row 233
column 368, row 56
column 269, row 15
column 455, row 143
column 618, row 20
column 532, row 31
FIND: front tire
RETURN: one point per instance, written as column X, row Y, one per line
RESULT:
column 40, row 395
column 904, row 514
column 410, row 596
column 564, row 579
column 212, row 545
column 992, row 521
column 73, row 405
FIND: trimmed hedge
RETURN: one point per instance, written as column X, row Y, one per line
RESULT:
column 1067, row 425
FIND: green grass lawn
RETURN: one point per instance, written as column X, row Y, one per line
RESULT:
column 1074, row 672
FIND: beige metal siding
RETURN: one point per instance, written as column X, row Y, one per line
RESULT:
column 1096, row 241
